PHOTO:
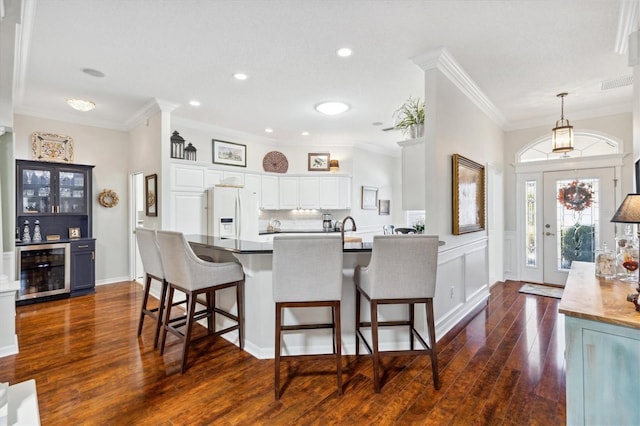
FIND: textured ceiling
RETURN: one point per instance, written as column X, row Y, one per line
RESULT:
column 519, row 53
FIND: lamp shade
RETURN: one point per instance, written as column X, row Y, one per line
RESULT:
column 629, row 210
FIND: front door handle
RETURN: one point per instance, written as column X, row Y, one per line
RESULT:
column 548, row 234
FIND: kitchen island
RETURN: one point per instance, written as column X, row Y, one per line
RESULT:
column 461, row 288
column 602, row 336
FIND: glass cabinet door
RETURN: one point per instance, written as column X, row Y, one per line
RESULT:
column 72, row 192
column 36, row 191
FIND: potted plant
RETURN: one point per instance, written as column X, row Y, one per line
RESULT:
column 410, row 118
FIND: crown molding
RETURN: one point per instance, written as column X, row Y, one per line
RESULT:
column 24, row 31
column 627, row 23
column 621, row 108
column 152, row 107
column 70, row 118
column 444, row 61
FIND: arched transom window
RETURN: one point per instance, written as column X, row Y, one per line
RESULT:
column 585, row 144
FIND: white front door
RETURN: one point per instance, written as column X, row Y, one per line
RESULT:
column 577, row 208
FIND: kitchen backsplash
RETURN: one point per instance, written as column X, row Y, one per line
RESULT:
column 295, row 220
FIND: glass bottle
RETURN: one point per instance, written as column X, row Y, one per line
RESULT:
column 605, row 263
column 37, row 236
column 26, row 233
column 627, row 255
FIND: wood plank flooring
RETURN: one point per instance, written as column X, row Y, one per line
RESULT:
column 504, row 366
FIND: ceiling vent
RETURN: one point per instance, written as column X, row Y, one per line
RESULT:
column 627, row 80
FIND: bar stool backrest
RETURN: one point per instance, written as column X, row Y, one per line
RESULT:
column 149, row 252
column 402, row 267
column 307, row 268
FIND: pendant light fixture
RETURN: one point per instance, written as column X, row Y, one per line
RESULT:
column 562, row 134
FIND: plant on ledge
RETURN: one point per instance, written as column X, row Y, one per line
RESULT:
column 410, row 118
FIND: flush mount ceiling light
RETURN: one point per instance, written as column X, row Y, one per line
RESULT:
column 332, row 108
column 194, row 103
column 240, row 76
column 81, row 104
column 562, row 134
column 344, row 52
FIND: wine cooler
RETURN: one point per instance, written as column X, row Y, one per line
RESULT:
column 43, row 270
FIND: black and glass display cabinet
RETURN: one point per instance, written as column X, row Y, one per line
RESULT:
column 59, row 196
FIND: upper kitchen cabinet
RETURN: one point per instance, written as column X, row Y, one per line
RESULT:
column 53, row 188
column 413, row 174
column 269, row 194
column 315, row 192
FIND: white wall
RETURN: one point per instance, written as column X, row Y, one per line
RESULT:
column 108, row 151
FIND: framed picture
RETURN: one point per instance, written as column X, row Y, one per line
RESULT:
column 384, row 206
column 369, row 198
column 74, row 233
column 468, row 196
column 318, row 162
column 151, row 194
column 50, row 147
column 232, row 154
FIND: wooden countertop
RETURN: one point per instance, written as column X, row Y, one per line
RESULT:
column 589, row 297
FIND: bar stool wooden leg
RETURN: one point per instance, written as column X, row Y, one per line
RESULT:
column 412, row 318
column 240, row 305
column 358, row 302
column 277, row 350
column 432, row 341
column 337, row 338
column 191, row 306
column 374, row 338
column 163, row 296
column 143, row 309
column 167, row 317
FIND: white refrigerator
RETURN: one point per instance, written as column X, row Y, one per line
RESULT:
column 232, row 213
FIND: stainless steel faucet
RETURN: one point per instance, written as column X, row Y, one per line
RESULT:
column 344, row 222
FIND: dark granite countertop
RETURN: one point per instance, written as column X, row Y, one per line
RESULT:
column 298, row 231
column 61, row 240
column 254, row 247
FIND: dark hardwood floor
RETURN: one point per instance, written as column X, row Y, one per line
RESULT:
column 505, row 366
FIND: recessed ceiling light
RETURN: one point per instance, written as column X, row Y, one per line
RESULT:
column 305, row 133
column 332, row 107
column 344, row 52
column 92, row 72
column 240, row 76
column 268, row 130
column 194, row 103
column 81, row 104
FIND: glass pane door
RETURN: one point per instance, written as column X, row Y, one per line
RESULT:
column 72, row 192
column 577, row 207
column 36, row 191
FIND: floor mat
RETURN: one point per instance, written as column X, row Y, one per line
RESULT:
column 542, row 290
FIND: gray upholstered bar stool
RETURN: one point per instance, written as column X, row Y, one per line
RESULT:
column 307, row 273
column 193, row 276
column 150, row 255
column 402, row 270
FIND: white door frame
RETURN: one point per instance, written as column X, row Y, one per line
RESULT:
column 535, row 170
column 133, row 222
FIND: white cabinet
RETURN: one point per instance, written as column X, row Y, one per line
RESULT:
column 413, row 174
column 212, row 178
column 315, row 192
column 187, row 178
column 309, row 193
column 344, row 193
column 289, row 187
column 188, row 212
column 270, row 190
column 253, row 183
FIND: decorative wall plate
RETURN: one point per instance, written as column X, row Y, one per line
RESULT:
column 276, row 162
column 51, row 147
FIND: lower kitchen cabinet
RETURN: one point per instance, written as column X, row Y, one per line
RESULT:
column 83, row 267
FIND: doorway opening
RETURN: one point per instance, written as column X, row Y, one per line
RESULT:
column 137, row 217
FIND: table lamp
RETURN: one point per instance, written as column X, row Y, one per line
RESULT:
column 629, row 212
